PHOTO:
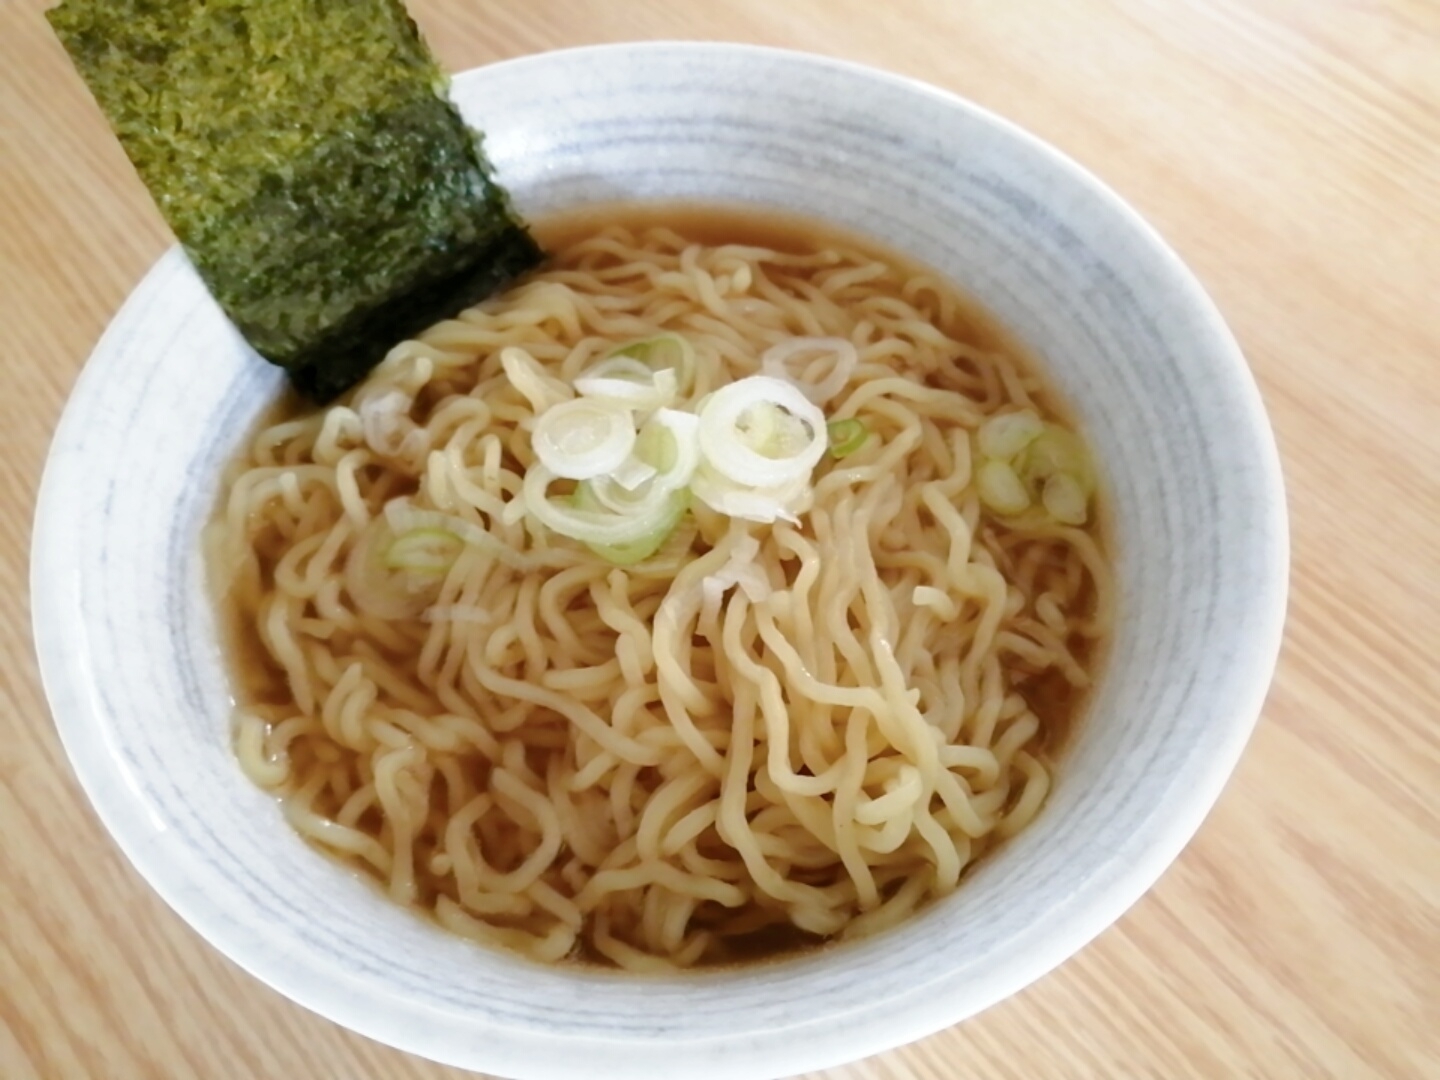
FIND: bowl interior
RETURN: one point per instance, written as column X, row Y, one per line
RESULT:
column 128, row 646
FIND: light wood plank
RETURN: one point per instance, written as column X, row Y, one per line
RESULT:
column 1291, row 153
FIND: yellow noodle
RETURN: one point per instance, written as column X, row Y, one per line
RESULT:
column 568, row 758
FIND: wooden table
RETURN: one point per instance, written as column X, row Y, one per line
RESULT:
column 1290, row 150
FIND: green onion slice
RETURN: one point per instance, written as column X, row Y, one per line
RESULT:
column 1001, row 489
column 589, row 521
column 1002, row 437
column 583, row 438
column 669, row 442
column 1056, row 450
column 761, row 432
column 1064, row 499
column 847, row 436
column 777, row 502
column 641, row 548
column 663, row 352
column 381, row 590
column 625, row 381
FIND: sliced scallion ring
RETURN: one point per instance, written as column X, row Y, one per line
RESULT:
column 616, row 380
column 1065, row 499
column 847, row 436
column 670, row 442
column 632, row 472
column 779, row 502
column 1056, row 450
column 605, row 493
column 379, row 589
column 1001, row 489
column 663, row 352
column 727, row 448
column 1003, row 437
column 640, row 549
column 403, row 518
column 621, row 367
column 590, row 526
column 583, row 438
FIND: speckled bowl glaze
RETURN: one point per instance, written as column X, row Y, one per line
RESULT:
column 127, row 639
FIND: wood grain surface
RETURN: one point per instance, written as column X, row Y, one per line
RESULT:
column 1290, row 150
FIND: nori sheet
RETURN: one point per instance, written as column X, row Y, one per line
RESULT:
column 307, row 157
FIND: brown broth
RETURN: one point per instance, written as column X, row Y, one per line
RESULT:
column 255, row 678
column 715, row 224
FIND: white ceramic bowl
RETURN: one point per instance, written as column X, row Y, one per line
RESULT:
column 127, row 641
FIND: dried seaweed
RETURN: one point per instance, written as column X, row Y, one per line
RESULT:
column 307, row 157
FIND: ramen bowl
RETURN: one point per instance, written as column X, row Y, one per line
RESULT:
column 128, row 644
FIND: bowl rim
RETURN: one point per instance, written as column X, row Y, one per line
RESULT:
column 76, row 716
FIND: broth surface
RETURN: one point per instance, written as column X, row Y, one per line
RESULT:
column 264, row 687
